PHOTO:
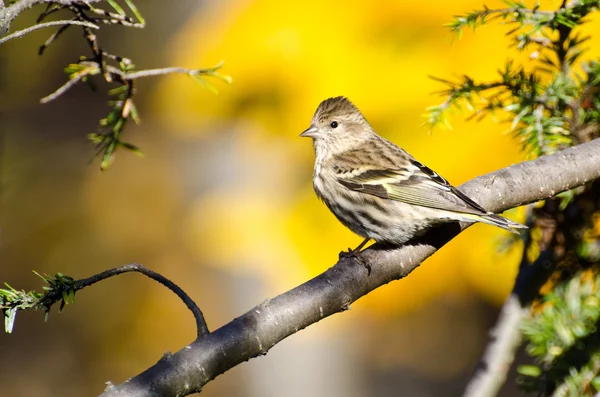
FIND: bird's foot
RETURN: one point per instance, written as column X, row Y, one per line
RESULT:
column 350, row 253
column 354, row 254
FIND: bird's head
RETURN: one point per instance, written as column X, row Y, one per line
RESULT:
column 337, row 125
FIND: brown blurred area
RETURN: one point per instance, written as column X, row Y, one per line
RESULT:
column 222, row 203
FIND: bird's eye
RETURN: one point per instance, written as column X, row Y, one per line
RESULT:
column 334, row 124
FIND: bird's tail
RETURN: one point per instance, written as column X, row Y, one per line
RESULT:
column 501, row 222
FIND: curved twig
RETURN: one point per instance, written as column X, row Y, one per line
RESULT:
column 21, row 33
column 202, row 328
column 63, row 290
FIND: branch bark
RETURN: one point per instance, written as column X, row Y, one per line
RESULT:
column 255, row 332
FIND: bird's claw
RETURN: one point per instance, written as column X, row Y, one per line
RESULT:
column 353, row 254
column 347, row 254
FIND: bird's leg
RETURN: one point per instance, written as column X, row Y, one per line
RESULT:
column 353, row 253
column 356, row 250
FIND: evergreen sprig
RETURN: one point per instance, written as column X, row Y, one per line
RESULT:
column 547, row 105
column 58, row 288
column 564, row 339
column 551, row 102
column 101, row 63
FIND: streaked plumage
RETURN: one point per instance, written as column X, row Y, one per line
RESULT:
column 377, row 189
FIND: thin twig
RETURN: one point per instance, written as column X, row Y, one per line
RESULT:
column 51, row 8
column 19, row 6
column 113, row 73
column 202, row 328
column 51, row 39
column 159, row 72
column 156, row 72
column 63, row 88
column 120, row 22
column 519, row 9
column 130, row 76
column 112, row 18
column 21, row 33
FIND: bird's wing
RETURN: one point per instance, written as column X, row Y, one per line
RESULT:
column 414, row 184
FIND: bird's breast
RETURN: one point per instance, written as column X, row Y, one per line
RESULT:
column 318, row 181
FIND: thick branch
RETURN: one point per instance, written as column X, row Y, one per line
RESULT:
column 255, row 332
column 500, row 353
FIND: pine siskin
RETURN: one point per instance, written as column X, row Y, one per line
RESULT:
column 377, row 189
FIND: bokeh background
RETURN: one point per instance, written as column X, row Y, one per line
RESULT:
column 222, row 202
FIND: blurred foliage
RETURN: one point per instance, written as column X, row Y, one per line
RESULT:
column 563, row 336
column 109, row 136
column 551, row 106
column 113, row 69
column 552, row 102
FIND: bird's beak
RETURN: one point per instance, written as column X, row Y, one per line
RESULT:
column 312, row 132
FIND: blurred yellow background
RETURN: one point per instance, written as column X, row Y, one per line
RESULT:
column 223, row 205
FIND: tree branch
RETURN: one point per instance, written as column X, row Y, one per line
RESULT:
column 506, row 336
column 63, row 288
column 201, row 327
column 21, row 33
column 255, row 332
column 551, row 228
column 7, row 14
column 114, row 69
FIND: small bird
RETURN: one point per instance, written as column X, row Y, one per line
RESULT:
column 377, row 189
